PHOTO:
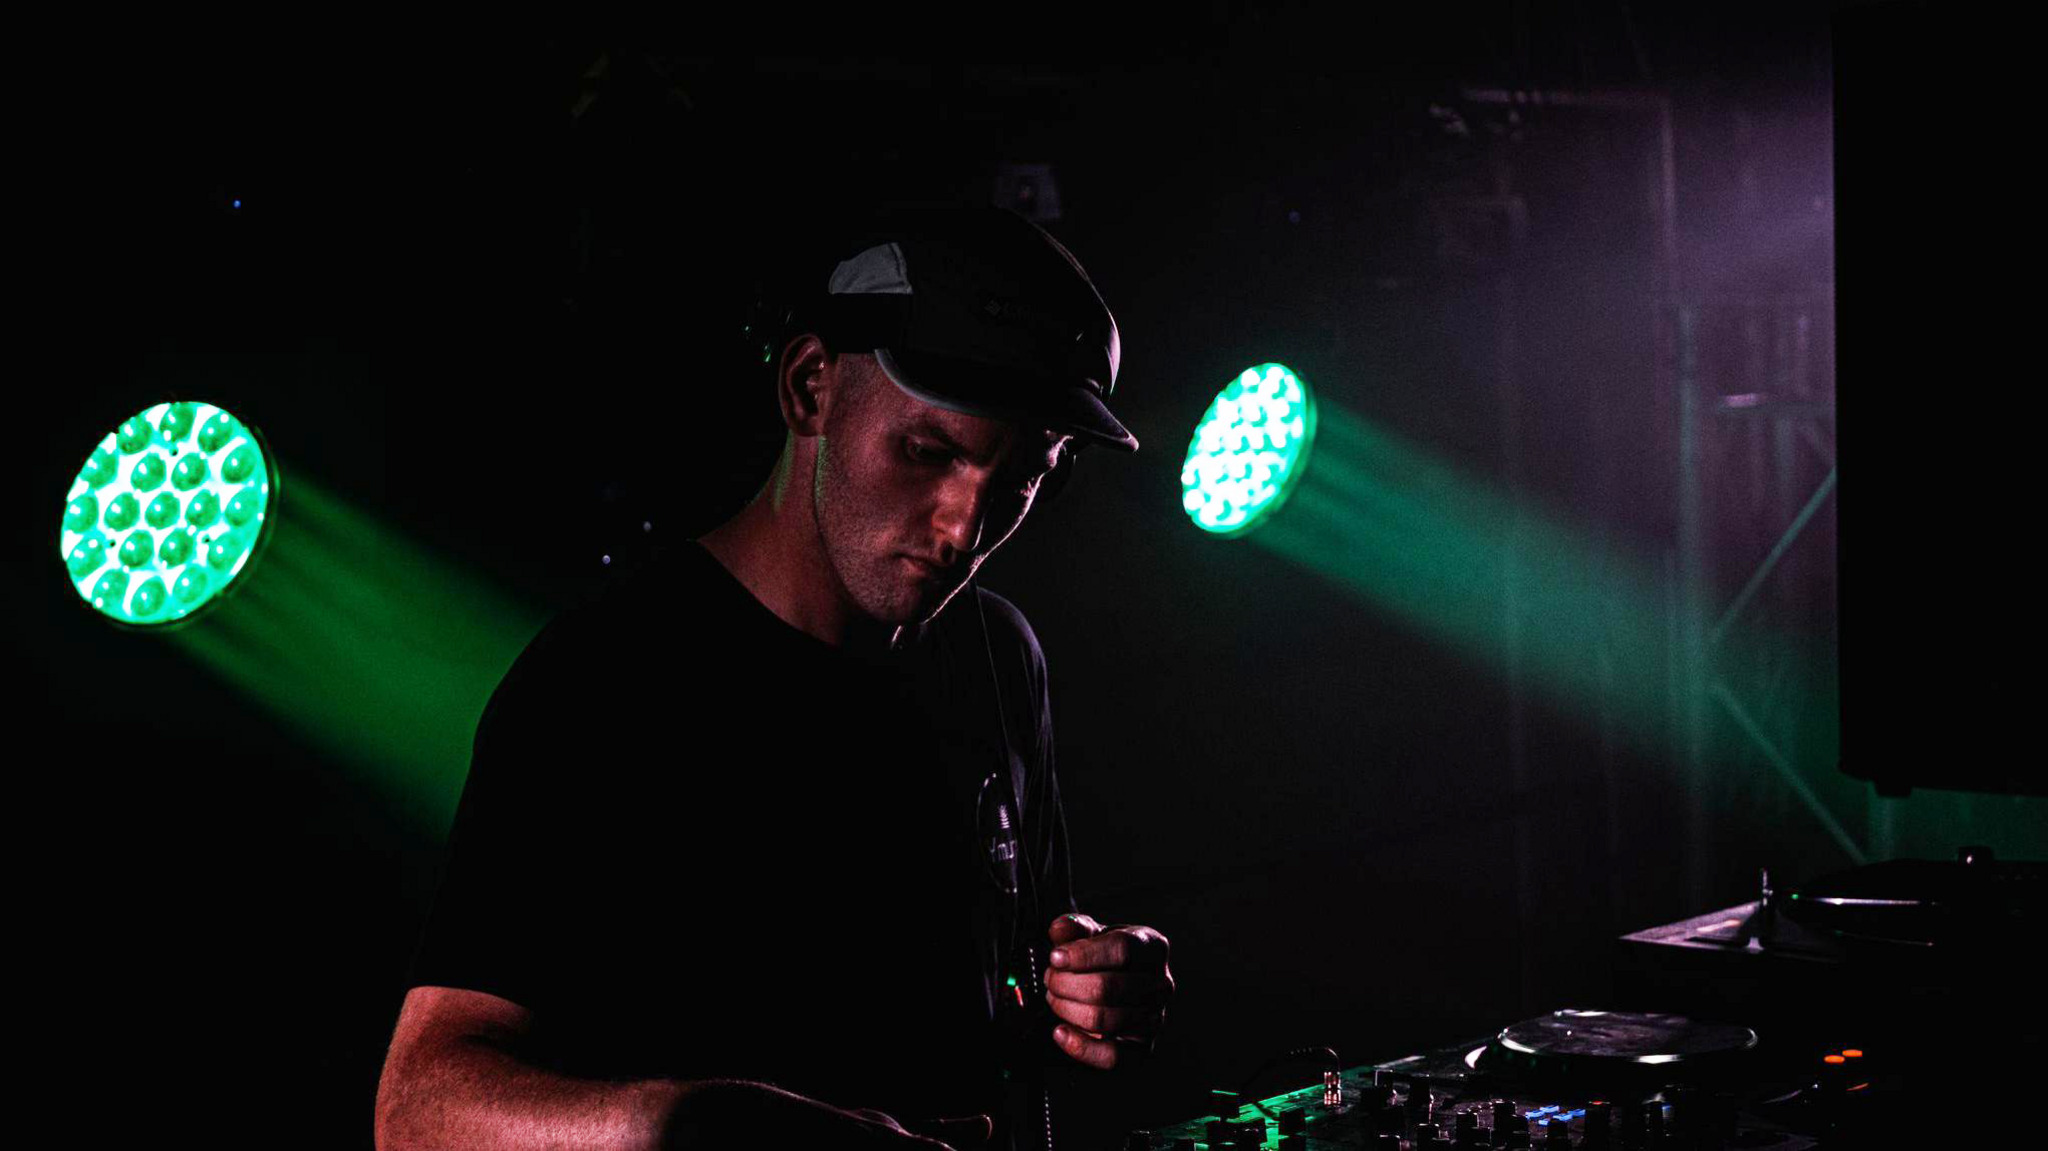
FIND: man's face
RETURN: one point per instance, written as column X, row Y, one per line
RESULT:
column 910, row 498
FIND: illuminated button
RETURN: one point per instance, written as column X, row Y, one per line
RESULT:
column 80, row 514
column 192, row 585
column 222, row 551
column 239, row 464
column 149, row 598
column 133, row 435
column 148, row 473
column 123, row 512
column 176, row 548
column 217, row 432
column 1833, row 1059
column 110, row 588
column 203, row 510
column 88, row 556
column 100, row 468
column 246, row 505
column 189, row 474
column 162, row 511
column 1599, row 1117
column 177, row 423
column 1852, row 1053
column 138, row 549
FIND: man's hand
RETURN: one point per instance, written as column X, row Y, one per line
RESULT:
column 1110, row 985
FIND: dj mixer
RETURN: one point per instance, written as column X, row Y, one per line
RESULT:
column 1900, row 1005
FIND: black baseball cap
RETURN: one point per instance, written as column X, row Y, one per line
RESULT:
column 979, row 310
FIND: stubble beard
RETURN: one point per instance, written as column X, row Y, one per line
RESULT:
column 881, row 595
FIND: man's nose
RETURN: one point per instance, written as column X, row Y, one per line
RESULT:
column 959, row 519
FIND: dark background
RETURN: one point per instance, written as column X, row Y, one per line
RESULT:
column 492, row 260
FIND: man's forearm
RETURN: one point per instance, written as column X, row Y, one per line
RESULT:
column 473, row 1093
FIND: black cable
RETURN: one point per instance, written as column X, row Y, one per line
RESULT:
column 1003, row 721
column 1017, row 916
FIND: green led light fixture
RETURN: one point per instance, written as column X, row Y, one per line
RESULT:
column 168, row 513
column 1249, row 451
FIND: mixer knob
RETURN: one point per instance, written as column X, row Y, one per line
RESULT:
column 1387, row 1141
column 1293, row 1122
column 1506, row 1131
column 1599, row 1120
column 1426, row 1135
column 1502, row 1109
column 1558, row 1136
column 1418, row 1096
column 1634, row 1128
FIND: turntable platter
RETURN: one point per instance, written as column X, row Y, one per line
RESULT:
column 1593, row 1040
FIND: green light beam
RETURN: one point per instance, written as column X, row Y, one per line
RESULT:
column 1488, row 576
column 370, row 645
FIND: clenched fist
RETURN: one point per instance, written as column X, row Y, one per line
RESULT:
column 1110, row 986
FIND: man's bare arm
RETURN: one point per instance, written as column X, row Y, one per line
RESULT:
column 454, row 1078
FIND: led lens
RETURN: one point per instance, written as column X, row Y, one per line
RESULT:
column 155, row 527
column 1249, row 450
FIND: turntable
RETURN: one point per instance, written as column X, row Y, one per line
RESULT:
column 1895, row 1005
column 1610, row 1047
column 1573, row 1078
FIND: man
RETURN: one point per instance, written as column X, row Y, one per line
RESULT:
column 763, row 841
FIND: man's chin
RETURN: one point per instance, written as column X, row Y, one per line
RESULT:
column 926, row 608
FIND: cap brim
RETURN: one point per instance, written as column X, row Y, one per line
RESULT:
column 1004, row 394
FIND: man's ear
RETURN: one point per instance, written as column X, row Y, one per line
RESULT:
column 798, row 385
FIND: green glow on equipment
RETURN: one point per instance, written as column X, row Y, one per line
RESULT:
column 1249, row 450
column 167, row 514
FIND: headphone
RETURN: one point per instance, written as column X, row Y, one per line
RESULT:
column 774, row 318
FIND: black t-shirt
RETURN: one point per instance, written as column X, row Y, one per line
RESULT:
column 697, row 842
